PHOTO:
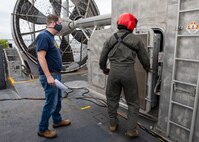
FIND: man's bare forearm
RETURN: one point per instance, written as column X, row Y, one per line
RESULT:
column 44, row 66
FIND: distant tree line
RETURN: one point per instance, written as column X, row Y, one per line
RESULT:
column 4, row 43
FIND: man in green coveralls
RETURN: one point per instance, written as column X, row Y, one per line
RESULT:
column 121, row 49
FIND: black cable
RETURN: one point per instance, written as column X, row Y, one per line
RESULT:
column 92, row 102
column 22, row 99
column 87, row 98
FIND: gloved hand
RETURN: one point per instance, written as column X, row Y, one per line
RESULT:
column 106, row 71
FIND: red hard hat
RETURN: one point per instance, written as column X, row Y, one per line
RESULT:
column 128, row 20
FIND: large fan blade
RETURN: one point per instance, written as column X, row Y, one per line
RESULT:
column 79, row 36
column 76, row 13
column 67, row 54
column 89, row 7
column 31, row 50
column 28, row 12
column 82, row 8
column 56, row 4
column 76, row 2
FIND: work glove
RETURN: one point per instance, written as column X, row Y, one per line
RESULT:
column 106, row 71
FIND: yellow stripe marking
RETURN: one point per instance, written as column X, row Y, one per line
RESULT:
column 11, row 80
column 20, row 82
column 86, row 107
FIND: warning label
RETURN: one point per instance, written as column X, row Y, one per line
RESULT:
column 192, row 28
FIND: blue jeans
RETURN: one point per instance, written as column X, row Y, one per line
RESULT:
column 52, row 104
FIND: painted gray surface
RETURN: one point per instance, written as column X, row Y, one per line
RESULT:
column 96, row 78
column 161, row 14
column 167, row 67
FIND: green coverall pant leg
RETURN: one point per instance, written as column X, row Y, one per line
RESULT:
column 123, row 78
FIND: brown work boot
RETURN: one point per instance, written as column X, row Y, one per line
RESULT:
column 48, row 134
column 62, row 123
column 132, row 133
column 113, row 128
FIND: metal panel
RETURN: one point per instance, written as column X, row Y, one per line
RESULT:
column 141, row 76
column 186, row 18
column 189, row 4
column 184, row 72
column 167, row 64
column 148, row 13
column 188, row 48
column 96, row 78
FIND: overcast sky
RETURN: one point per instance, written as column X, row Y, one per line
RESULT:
column 6, row 8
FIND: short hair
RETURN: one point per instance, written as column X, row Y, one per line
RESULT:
column 50, row 18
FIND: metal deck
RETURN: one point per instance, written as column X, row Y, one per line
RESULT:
column 19, row 118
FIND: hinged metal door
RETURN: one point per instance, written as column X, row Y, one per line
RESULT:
column 147, row 81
